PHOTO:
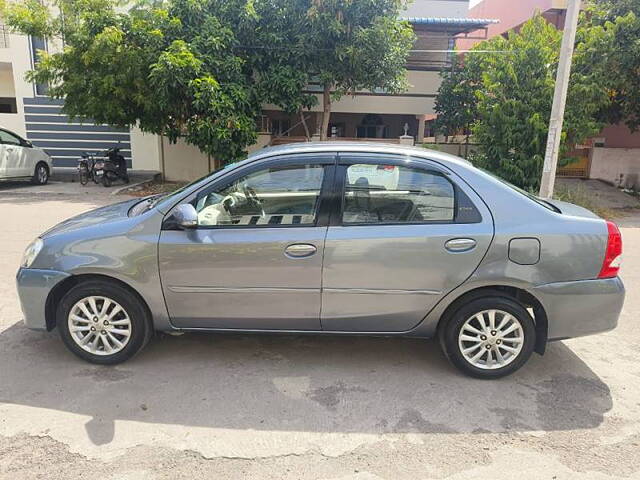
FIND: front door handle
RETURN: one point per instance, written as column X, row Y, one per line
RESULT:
column 460, row 244
column 300, row 250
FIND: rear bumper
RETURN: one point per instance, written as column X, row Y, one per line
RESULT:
column 579, row 308
column 34, row 287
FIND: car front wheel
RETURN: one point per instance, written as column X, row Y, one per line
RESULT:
column 41, row 174
column 489, row 337
column 102, row 322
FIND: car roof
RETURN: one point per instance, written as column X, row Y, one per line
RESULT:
column 357, row 147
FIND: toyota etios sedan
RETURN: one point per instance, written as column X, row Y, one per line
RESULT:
column 331, row 238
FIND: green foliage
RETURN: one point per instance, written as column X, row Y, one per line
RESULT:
column 357, row 45
column 201, row 69
column 621, row 59
column 513, row 87
column 456, row 103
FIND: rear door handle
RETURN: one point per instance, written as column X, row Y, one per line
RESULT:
column 300, row 250
column 460, row 244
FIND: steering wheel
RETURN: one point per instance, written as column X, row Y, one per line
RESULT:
column 252, row 197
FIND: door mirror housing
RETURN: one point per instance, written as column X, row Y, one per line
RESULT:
column 27, row 144
column 185, row 216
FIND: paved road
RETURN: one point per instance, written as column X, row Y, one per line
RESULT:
column 304, row 407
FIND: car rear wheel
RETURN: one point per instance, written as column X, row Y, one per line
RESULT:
column 41, row 174
column 489, row 337
column 102, row 322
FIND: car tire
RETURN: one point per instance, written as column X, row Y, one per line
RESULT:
column 489, row 345
column 82, row 312
column 40, row 174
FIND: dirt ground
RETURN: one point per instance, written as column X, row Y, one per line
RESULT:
column 283, row 407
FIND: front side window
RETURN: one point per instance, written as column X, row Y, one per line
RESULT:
column 8, row 138
column 281, row 195
column 396, row 194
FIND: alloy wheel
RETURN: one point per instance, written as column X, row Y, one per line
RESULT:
column 42, row 174
column 99, row 325
column 491, row 339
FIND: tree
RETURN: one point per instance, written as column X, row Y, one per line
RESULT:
column 356, row 45
column 202, row 69
column 621, row 58
column 171, row 68
column 512, row 80
column 456, row 104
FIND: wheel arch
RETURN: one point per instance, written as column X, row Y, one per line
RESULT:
column 43, row 162
column 61, row 289
column 520, row 295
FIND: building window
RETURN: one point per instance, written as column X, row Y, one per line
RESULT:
column 337, row 129
column 372, row 126
column 8, row 105
column 38, row 44
column 280, row 127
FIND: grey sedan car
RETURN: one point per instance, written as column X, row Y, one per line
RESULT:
column 331, row 238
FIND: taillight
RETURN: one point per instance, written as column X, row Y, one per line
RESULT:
column 612, row 256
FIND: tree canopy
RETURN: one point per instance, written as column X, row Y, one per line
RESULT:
column 621, row 58
column 505, row 87
column 357, row 45
column 202, row 69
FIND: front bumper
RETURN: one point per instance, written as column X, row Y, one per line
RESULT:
column 579, row 308
column 34, row 287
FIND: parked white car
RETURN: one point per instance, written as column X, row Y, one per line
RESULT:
column 19, row 159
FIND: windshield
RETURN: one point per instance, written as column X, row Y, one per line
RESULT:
column 149, row 202
column 531, row 196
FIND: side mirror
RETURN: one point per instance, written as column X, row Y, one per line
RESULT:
column 185, row 216
column 27, row 143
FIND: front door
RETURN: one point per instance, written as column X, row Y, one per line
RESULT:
column 11, row 163
column 406, row 235
column 255, row 259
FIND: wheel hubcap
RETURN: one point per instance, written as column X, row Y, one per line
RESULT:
column 99, row 325
column 491, row 339
column 42, row 174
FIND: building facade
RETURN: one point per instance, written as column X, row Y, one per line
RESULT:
column 367, row 115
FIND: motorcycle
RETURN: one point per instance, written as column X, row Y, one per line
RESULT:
column 111, row 168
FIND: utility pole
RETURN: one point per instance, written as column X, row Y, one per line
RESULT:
column 559, row 99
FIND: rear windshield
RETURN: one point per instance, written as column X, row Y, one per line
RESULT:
column 531, row 196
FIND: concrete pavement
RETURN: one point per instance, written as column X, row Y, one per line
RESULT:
column 283, row 407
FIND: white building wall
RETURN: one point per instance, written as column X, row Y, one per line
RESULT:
column 620, row 166
column 12, row 83
column 145, row 150
column 437, row 8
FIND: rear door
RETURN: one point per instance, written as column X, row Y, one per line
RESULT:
column 255, row 259
column 404, row 233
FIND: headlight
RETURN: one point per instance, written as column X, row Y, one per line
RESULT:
column 31, row 253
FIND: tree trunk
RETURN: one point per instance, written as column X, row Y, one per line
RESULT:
column 466, row 146
column 304, row 124
column 163, row 174
column 326, row 113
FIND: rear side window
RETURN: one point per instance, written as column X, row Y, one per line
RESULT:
column 378, row 194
